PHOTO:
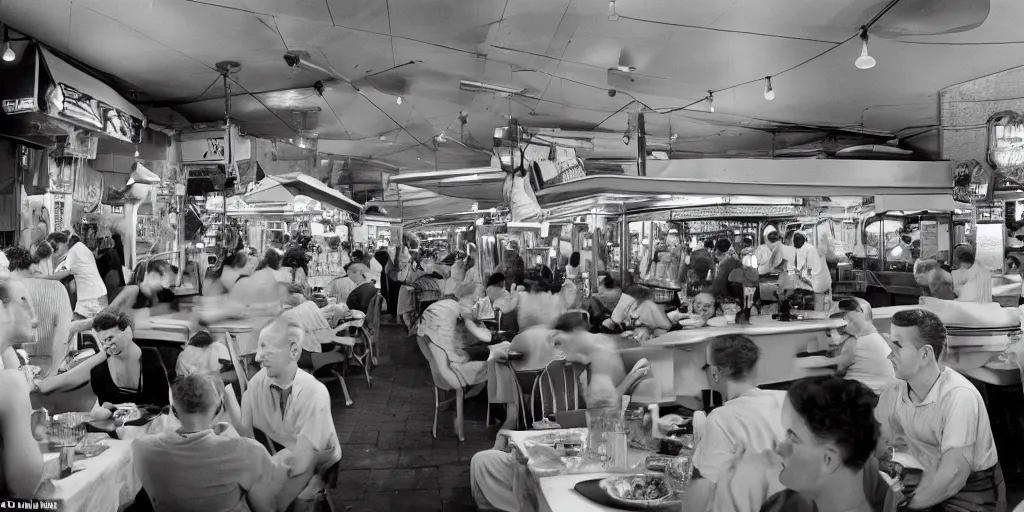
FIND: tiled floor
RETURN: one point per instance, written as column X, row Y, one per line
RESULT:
column 390, row 461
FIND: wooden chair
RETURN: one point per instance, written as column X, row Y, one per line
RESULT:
column 444, row 379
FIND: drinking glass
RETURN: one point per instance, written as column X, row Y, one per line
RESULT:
column 678, row 471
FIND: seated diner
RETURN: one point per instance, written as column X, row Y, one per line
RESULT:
column 130, row 374
column 937, row 416
column 449, row 324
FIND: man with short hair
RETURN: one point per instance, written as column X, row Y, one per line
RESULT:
column 727, row 262
column 360, row 297
column 291, row 408
column 941, row 418
column 826, row 454
column 80, row 263
column 750, row 419
column 204, row 465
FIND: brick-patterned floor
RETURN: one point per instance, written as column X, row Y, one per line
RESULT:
column 390, row 461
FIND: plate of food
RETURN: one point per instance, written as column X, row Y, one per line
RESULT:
column 631, row 492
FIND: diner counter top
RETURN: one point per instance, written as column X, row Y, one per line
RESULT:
column 762, row 325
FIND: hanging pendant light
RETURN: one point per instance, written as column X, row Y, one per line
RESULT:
column 613, row 15
column 865, row 61
column 711, row 101
column 769, row 93
column 9, row 54
column 399, row 100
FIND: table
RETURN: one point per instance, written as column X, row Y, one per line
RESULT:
column 557, row 493
column 107, row 484
column 677, row 357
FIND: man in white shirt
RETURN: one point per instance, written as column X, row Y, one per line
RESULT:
column 864, row 356
column 750, row 420
column 941, row 419
column 972, row 282
column 291, row 408
column 80, row 263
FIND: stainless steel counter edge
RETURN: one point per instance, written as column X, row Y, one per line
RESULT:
column 758, row 327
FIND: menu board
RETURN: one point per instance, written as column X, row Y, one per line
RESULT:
column 929, row 239
column 989, row 246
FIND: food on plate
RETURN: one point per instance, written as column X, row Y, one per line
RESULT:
column 637, row 488
column 127, row 412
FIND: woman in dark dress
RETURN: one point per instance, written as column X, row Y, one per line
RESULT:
column 130, row 374
column 150, row 286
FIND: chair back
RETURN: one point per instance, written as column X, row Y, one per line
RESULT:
column 547, row 391
column 53, row 310
column 372, row 321
column 245, row 365
column 440, row 370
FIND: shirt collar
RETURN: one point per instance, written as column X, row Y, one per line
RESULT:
column 933, row 393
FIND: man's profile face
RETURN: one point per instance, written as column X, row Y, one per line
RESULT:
column 357, row 273
column 805, row 460
column 274, row 349
column 906, row 358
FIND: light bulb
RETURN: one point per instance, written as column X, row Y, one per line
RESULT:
column 769, row 93
column 383, row 137
column 399, row 100
column 625, row 139
column 136, row 152
column 711, row 101
column 8, row 52
column 674, row 137
column 612, row 15
column 865, row 61
column 441, row 137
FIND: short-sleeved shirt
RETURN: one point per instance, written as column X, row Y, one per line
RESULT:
column 752, row 420
column 952, row 415
column 82, row 264
column 871, row 365
column 208, row 470
column 306, row 414
column 208, row 359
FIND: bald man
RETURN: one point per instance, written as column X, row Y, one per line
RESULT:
column 864, row 353
column 291, row 408
column 364, row 292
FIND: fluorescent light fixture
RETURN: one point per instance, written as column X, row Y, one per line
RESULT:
column 467, row 85
column 626, row 69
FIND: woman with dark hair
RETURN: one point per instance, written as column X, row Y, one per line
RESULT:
column 235, row 267
column 295, row 265
column 638, row 312
column 43, row 251
column 20, row 261
column 131, row 374
column 148, row 287
column 272, row 259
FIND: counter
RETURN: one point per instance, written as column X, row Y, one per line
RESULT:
column 974, row 352
column 677, row 357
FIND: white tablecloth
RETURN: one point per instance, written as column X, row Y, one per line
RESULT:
column 107, row 484
column 558, row 493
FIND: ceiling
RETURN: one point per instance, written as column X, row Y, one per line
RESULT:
column 559, row 51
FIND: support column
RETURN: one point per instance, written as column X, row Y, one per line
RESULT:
column 641, row 146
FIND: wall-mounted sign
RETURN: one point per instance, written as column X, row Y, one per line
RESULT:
column 83, row 110
column 210, row 146
column 737, row 210
column 1006, row 144
column 962, row 173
